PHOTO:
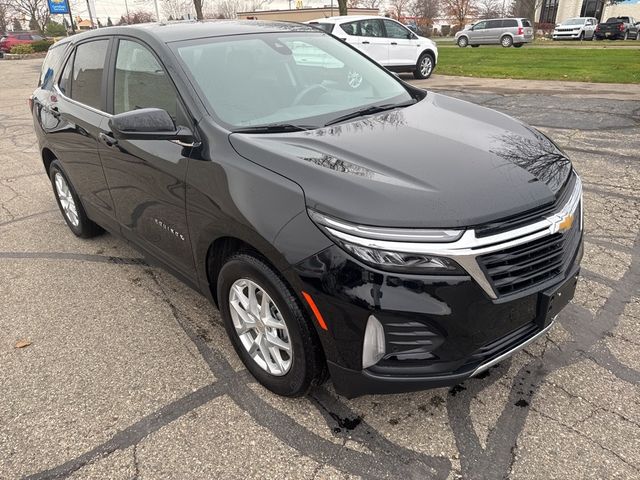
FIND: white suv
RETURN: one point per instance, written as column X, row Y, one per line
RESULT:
column 386, row 41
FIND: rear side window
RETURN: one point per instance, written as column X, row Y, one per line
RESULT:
column 50, row 67
column 88, row 66
column 141, row 82
column 494, row 24
column 350, row 28
column 65, row 79
column 526, row 23
column 511, row 23
column 371, row 28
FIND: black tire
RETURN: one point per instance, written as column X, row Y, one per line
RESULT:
column 463, row 42
column 475, row 46
column 308, row 366
column 506, row 41
column 518, row 45
column 420, row 72
column 81, row 226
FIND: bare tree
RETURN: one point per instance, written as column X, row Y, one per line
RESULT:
column 197, row 4
column 459, row 10
column 399, row 8
column 354, row 3
column 176, row 8
column 37, row 11
column 425, row 10
column 229, row 8
column 489, row 8
column 370, row 3
column 4, row 18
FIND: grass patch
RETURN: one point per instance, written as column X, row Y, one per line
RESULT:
column 592, row 63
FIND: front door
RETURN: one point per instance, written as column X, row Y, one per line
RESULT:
column 403, row 44
column 476, row 34
column 147, row 177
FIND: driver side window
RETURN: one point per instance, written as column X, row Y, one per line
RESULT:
column 480, row 26
column 141, row 82
column 395, row 30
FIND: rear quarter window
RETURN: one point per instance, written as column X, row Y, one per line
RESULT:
column 50, row 67
column 511, row 23
column 327, row 27
column 526, row 23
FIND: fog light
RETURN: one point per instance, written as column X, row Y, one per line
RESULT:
column 373, row 349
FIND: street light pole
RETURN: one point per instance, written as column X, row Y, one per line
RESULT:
column 73, row 29
column 90, row 14
column 157, row 11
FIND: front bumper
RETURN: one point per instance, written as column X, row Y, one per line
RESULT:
column 439, row 331
column 566, row 35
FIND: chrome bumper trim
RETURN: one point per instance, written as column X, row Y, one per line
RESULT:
column 491, row 363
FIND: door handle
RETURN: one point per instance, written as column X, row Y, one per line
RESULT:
column 394, row 43
column 365, row 42
column 107, row 139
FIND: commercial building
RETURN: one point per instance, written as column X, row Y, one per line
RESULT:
column 556, row 11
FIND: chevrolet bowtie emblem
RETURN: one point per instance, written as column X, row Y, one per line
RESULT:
column 566, row 222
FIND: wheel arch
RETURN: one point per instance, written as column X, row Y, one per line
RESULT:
column 47, row 158
column 430, row 52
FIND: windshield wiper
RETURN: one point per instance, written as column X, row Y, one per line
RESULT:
column 273, row 128
column 370, row 110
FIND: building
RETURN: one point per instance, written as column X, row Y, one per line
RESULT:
column 303, row 14
column 556, row 11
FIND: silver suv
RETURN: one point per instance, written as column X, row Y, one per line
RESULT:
column 504, row 31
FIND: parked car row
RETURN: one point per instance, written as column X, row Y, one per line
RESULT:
column 508, row 32
column 11, row 39
column 386, row 41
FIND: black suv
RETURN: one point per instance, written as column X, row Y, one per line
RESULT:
column 344, row 222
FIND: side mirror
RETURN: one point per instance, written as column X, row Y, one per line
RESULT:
column 148, row 124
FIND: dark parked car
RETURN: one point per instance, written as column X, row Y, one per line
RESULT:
column 394, row 238
column 10, row 40
column 615, row 28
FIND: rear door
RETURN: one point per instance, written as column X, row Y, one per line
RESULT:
column 403, row 44
column 72, row 117
column 493, row 31
column 372, row 40
column 147, row 177
column 527, row 29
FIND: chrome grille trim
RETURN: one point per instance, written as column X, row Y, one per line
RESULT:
column 468, row 247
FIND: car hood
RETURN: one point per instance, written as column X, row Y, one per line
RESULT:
column 442, row 162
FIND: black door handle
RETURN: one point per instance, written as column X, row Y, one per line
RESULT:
column 394, row 43
column 365, row 43
column 107, row 139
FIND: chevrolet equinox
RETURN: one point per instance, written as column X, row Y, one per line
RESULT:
column 345, row 223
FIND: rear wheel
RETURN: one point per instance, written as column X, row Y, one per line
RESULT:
column 69, row 204
column 506, row 41
column 518, row 45
column 267, row 327
column 463, row 42
column 424, row 67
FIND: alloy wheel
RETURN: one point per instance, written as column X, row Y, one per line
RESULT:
column 66, row 199
column 260, row 327
column 426, row 65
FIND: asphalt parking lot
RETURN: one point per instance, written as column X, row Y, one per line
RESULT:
column 128, row 373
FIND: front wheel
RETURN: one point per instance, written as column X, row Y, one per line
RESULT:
column 506, row 41
column 69, row 204
column 267, row 327
column 463, row 42
column 424, row 67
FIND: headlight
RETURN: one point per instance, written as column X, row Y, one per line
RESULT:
column 367, row 244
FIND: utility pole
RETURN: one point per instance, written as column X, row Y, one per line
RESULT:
column 157, row 11
column 90, row 14
column 126, row 6
column 73, row 29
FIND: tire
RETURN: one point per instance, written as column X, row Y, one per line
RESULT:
column 291, row 373
column 475, row 46
column 506, row 41
column 581, row 37
column 69, row 203
column 518, row 45
column 463, row 42
column 424, row 67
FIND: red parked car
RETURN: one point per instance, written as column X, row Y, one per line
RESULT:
column 11, row 39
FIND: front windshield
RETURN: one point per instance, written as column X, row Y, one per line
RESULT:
column 574, row 21
column 301, row 78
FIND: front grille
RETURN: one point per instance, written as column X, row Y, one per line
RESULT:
column 529, row 217
column 531, row 264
